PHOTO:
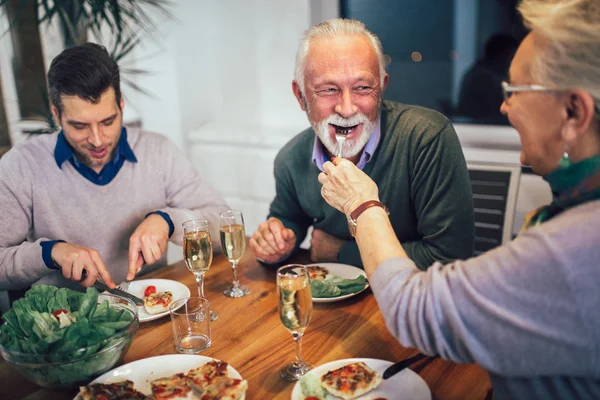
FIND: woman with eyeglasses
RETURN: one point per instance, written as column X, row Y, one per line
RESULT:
column 527, row 311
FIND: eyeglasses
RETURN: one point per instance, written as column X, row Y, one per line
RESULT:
column 508, row 90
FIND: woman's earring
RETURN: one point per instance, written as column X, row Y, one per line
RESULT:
column 565, row 161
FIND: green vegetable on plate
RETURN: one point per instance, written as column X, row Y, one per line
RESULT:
column 335, row 286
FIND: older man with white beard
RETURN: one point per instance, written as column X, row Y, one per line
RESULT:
column 412, row 153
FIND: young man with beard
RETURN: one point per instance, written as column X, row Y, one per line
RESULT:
column 96, row 196
column 412, row 153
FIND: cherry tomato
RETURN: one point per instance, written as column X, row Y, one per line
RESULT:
column 56, row 313
column 149, row 290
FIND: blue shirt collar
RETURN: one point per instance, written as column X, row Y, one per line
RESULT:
column 319, row 156
column 63, row 151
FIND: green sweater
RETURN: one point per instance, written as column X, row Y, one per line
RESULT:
column 422, row 177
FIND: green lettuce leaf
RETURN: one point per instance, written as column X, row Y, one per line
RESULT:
column 60, row 301
column 334, row 286
column 89, row 303
column 39, row 296
column 31, row 328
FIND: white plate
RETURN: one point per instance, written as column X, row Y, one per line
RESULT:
column 344, row 271
column 144, row 371
column 406, row 384
column 137, row 288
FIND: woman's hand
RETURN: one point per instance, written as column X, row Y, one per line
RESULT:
column 345, row 186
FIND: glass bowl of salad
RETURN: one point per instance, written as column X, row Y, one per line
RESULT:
column 61, row 338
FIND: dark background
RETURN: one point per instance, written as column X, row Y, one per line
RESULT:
column 450, row 36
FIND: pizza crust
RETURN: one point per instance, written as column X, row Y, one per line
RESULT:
column 111, row 391
column 174, row 387
column 351, row 381
column 207, row 382
column 211, row 382
column 225, row 388
column 158, row 302
column 205, row 374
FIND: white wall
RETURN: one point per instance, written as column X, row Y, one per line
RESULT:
column 222, row 75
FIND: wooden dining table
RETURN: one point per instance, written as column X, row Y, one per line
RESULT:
column 250, row 337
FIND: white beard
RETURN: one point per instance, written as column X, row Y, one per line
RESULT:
column 351, row 147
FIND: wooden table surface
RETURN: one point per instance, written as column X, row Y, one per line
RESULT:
column 250, row 337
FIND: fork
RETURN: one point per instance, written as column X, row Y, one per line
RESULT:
column 341, row 139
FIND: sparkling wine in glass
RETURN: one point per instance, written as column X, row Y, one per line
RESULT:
column 295, row 310
column 198, row 253
column 233, row 242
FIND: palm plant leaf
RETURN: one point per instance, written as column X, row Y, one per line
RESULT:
column 125, row 18
column 121, row 16
column 17, row 14
column 123, row 47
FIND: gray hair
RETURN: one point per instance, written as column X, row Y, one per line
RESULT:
column 570, row 32
column 334, row 28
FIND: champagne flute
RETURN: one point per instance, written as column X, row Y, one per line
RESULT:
column 198, row 253
column 233, row 242
column 295, row 310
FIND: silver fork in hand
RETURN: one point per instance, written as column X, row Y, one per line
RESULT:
column 341, row 139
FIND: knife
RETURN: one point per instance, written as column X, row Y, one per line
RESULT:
column 101, row 286
column 399, row 366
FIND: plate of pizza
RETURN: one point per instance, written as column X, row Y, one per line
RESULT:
column 173, row 377
column 336, row 281
column 158, row 294
column 361, row 379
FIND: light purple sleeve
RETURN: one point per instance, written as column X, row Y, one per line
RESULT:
column 21, row 262
column 515, row 310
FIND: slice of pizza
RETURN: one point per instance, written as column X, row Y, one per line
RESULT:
column 225, row 388
column 351, row 380
column 206, row 374
column 158, row 302
column 111, row 391
column 174, row 387
column 212, row 382
column 317, row 272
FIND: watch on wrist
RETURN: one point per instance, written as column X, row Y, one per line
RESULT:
column 359, row 210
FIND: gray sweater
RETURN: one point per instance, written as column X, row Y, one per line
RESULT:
column 528, row 312
column 40, row 201
column 422, row 178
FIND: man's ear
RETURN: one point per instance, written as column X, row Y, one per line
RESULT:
column 579, row 109
column 122, row 103
column 386, row 79
column 54, row 111
column 299, row 96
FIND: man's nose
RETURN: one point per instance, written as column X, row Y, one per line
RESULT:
column 95, row 137
column 346, row 107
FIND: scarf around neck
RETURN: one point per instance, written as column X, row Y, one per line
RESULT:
column 571, row 186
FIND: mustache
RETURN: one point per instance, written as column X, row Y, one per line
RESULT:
column 336, row 119
column 94, row 148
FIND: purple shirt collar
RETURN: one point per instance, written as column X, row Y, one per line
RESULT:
column 319, row 157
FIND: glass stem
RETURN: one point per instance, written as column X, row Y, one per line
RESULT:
column 200, row 282
column 298, row 340
column 236, row 281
